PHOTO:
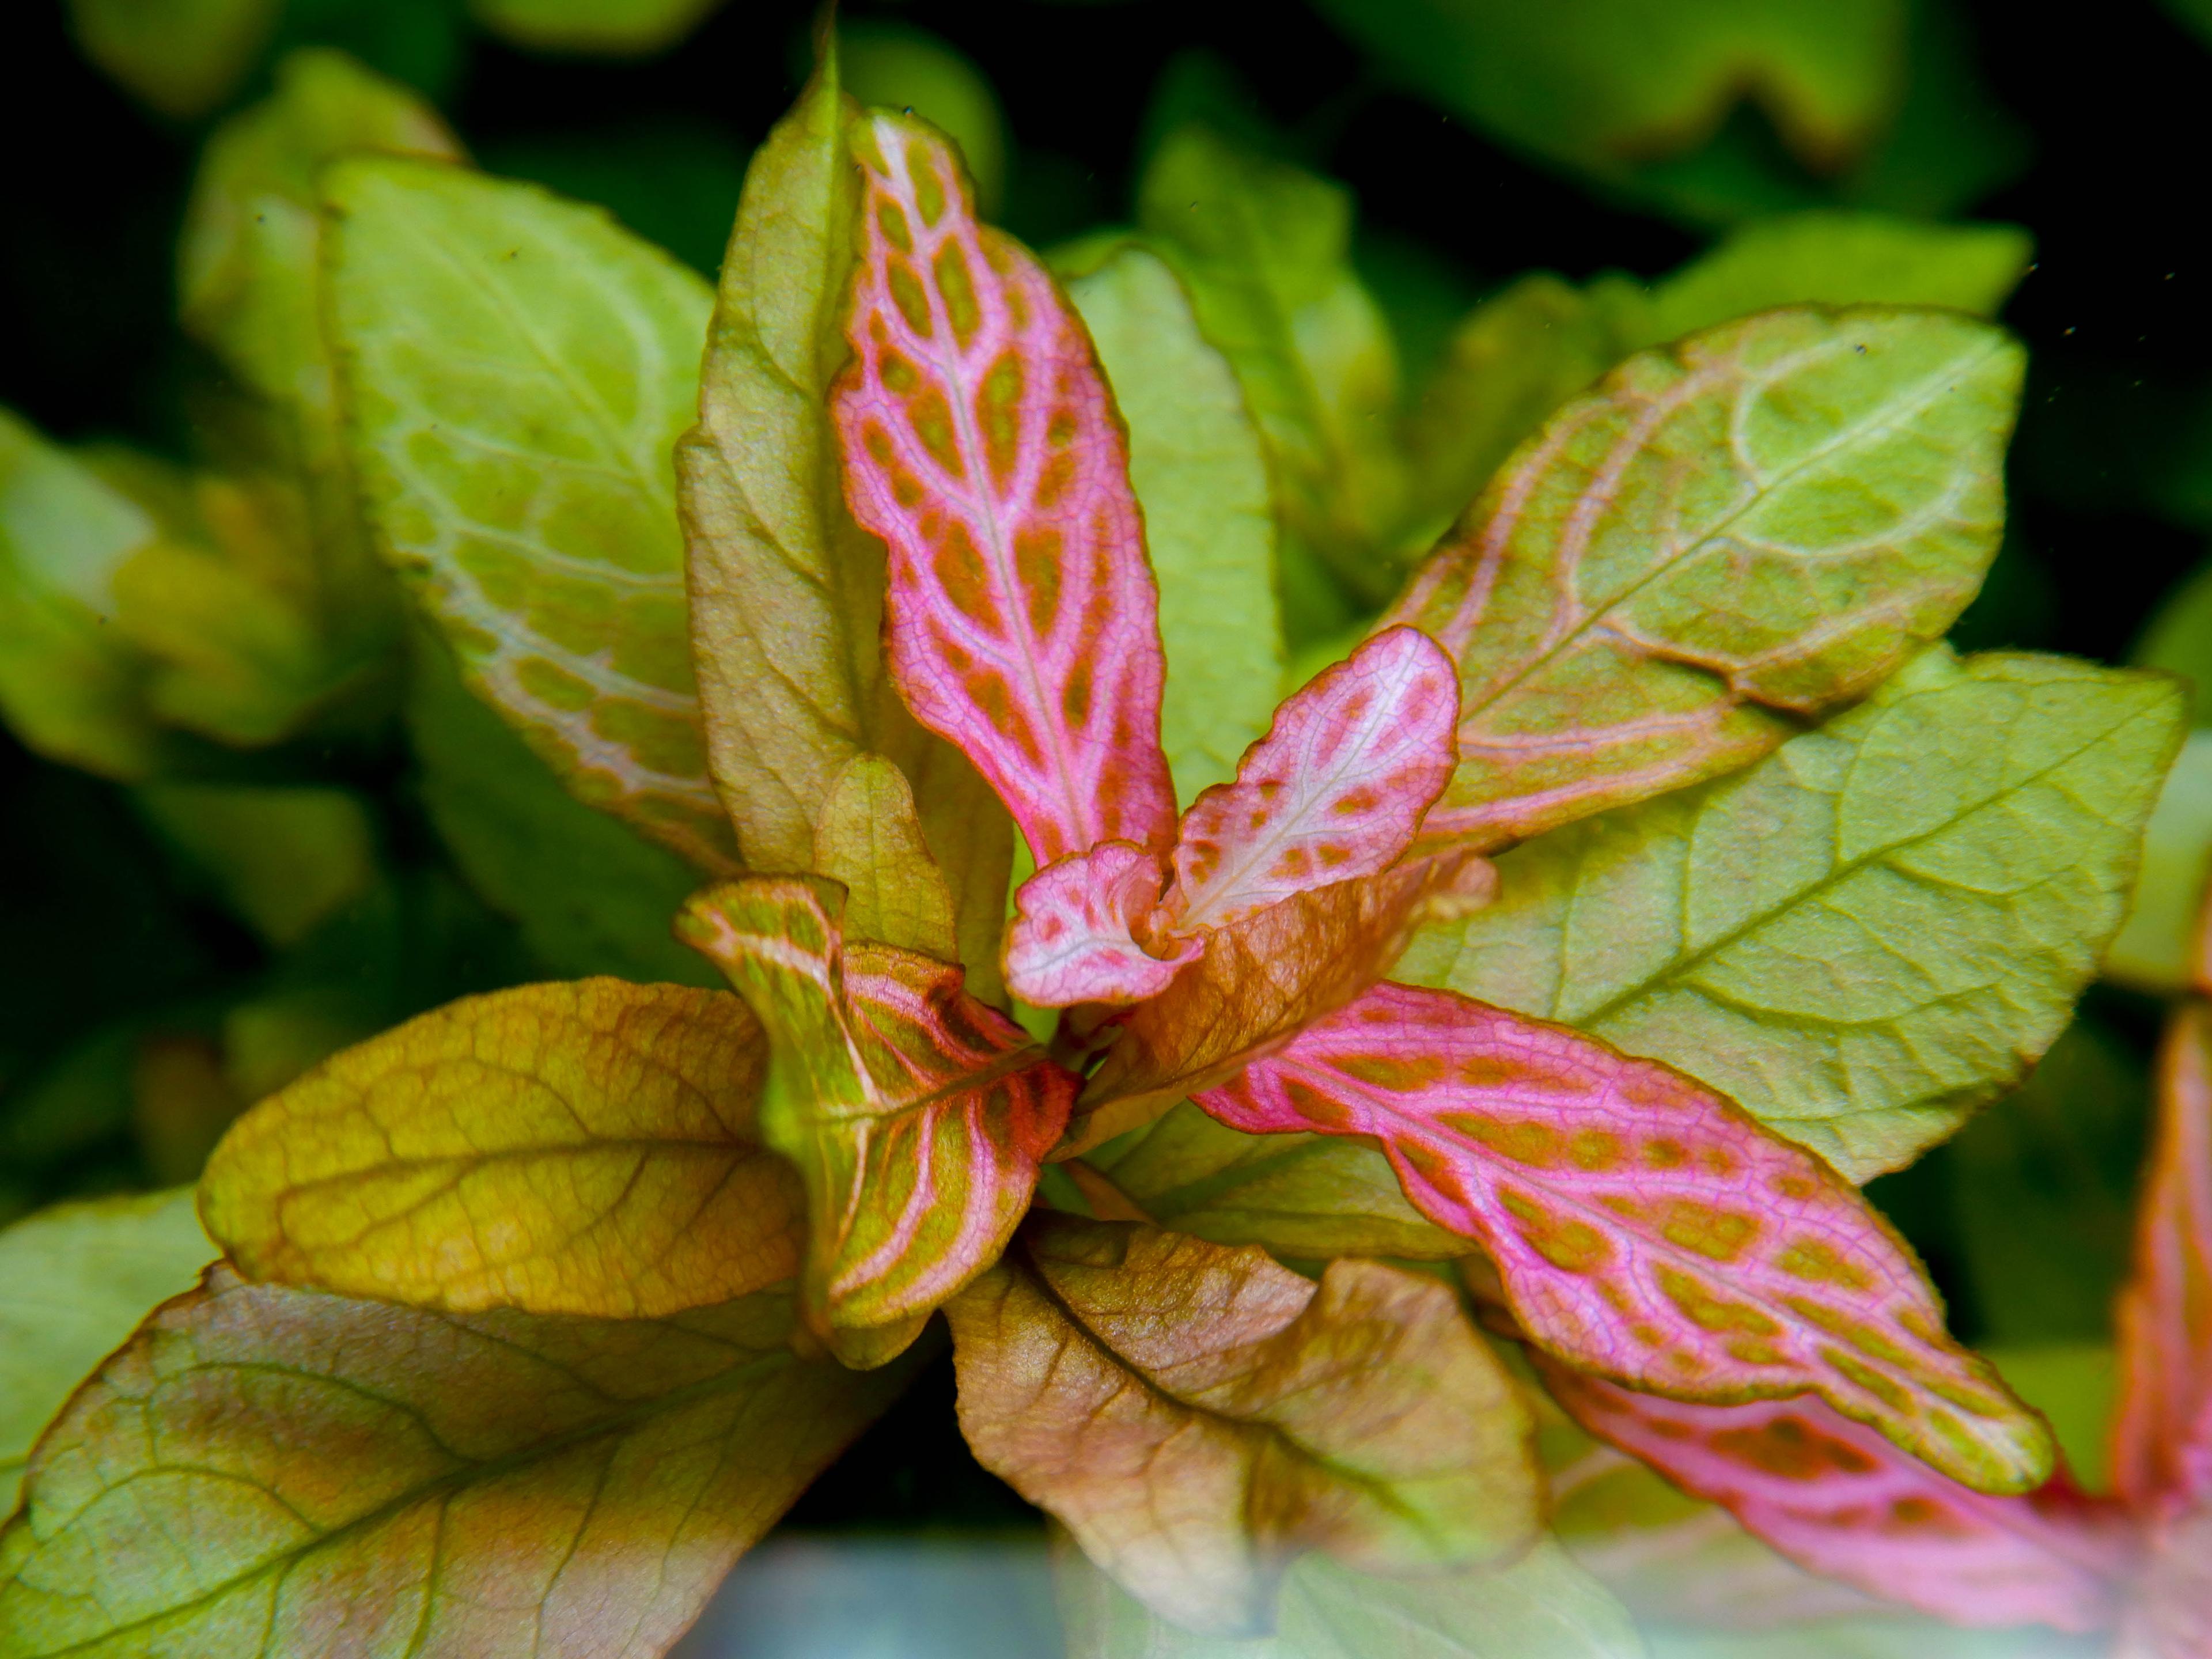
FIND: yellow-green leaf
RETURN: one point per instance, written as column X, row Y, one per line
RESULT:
column 1869, row 934
column 75, row 1281
column 283, row 857
column 612, row 28
column 271, row 1474
column 584, row 1148
column 2155, row 948
column 869, row 840
column 182, row 57
column 515, row 371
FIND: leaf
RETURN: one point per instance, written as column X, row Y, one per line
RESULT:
column 980, row 443
column 1839, row 1499
column 1867, row 936
column 183, row 57
column 1196, row 464
column 1643, row 1228
column 1363, row 1417
column 917, row 1115
column 283, row 857
column 893, row 64
column 2155, row 948
column 611, row 28
column 515, row 370
column 1333, row 792
column 592, row 894
column 578, row 1148
column 1075, row 936
column 786, row 591
column 74, row 1280
column 1540, row 1606
column 869, row 840
column 2169, row 1615
column 2162, row 1442
column 271, row 1472
column 1261, row 982
column 1264, row 249
column 1306, row 1197
column 1755, row 526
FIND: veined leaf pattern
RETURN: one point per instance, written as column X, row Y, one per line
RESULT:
column 1075, row 936
column 917, row 1115
column 980, row 444
column 1643, row 1227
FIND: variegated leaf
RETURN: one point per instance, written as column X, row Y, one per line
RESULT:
column 2169, row 1606
column 980, row 443
column 1193, row 1455
column 1264, row 979
column 1643, row 1227
column 917, row 1115
column 2162, row 1443
column 1333, row 792
column 1841, row 1500
column 1075, row 936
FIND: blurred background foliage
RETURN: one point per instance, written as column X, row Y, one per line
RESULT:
column 250, row 816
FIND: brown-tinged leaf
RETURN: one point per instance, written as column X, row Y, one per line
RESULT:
column 1197, row 1416
column 574, row 1148
column 868, row 840
column 917, row 1115
column 264, row 1472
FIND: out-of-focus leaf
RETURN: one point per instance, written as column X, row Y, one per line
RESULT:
column 2162, row 1441
column 2156, row 945
column 182, row 57
column 1746, row 530
column 592, row 896
column 516, row 370
column 1869, row 934
column 1890, row 1634
column 1540, row 1606
column 668, row 175
column 612, row 28
column 1201, row 475
column 282, row 857
column 586, row 1147
column 264, row 1471
column 2179, row 638
column 1841, row 1500
column 1599, row 83
column 2075, row 1385
column 1307, row 1197
column 2042, row 1188
column 917, row 1115
column 1194, row 1457
column 889, row 64
column 1264, row 249
column 1643, row 1228
column 74, row 1281
column 981, row 442
column 2170, row 1613
column 869, row 840
column 787, row 592
column 181, row 1103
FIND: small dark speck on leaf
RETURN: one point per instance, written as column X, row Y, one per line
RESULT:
column 1860, row 348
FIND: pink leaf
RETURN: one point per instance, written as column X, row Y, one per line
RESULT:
column 1839, row 1499
column 1333, row 792
column 2169, row 1607
column 1643, row 1226
column 2162, row 1458
column 1074, row 937
column 980, row 443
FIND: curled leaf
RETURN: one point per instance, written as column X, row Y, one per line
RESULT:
column 265, row 1471
column 1193, row 1456
column 917, row 1115
column 1754, row 527
column 1643, row 1228
column 574, row 1148
column 1840, row 1499
column 1075, row 936
column 980, row 443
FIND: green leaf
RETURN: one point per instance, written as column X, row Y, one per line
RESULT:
column 1867, row 935
column 869, row 840
column 592, row 896
column 1542, row 1606
column 1721, row 539
column 2077, row 1385
column 1306, row 1197
column 515, row 371
column 2043, row 1187
column 1200, row 475
column 271, row 1474
column 283, row 858
column 587, row 1147
column 74, row 1281
column 891, row 64
column 788, row 591
column 611, row 28
column 182, row 57
column 2178, row 637
column 1264, row 249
